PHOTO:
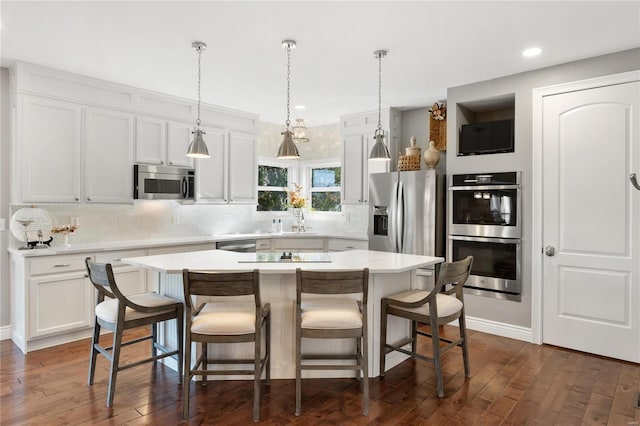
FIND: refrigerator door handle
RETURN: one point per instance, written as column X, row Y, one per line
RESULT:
column 393, row 216
column 400, row 221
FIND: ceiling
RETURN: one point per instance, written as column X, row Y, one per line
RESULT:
column 432, row 45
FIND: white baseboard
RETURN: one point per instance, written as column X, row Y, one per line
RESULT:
column 5, row 332
column 498, row 328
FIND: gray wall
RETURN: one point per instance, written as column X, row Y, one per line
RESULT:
column 522, row 85
column 5, row 132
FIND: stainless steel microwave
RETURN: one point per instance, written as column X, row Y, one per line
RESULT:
column 163, row 183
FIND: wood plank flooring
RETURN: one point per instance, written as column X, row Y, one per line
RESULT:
column 511, row 383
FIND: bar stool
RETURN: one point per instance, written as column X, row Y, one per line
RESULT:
column 119, row 313
column 223, row 321
column 332, row 318
column 436, row 307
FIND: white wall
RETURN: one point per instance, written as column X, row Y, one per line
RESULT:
column 520, row 160
column 5, row 139
column 325, row 141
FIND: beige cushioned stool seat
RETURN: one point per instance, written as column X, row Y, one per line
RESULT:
column 225, row 318
column 330, row 313
column 108, row 310
column 447, row 305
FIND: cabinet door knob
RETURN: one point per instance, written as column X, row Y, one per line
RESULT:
column 77, row 199
column 161, row 161
column 170, row 162
column 88, row 198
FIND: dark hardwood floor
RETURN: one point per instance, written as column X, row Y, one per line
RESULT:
column 511, row 383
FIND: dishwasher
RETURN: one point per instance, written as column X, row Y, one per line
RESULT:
column 242, row 246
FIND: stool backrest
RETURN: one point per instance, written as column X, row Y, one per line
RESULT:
column 333, row 282
column 101, row 276
column 221, row 284
column 455, row 274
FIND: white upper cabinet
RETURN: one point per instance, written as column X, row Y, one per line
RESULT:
column 108, row 156
column 211, row 182
column 354, row 169
column 49, row 140
column 357, row 140
column 229, row 175
column 163, row 142
column 151, row 140
column 178, row 140
column 76, row 140
column 243, row 169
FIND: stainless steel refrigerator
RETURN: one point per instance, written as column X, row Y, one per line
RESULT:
column 406, row 212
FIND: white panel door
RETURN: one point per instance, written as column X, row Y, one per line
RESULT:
column 211, row 173
column 108, row 156
column 243, row 169
column 50, row 133
column 591, row 219
column 179, row 137
column 151, row 140
column 353, row 169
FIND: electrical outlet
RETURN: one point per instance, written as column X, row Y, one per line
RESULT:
column 175, row 219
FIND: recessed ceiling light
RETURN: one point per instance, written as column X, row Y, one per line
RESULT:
column 300, row 107
column 532, row 51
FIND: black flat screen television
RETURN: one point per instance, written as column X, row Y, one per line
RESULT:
column 490, row 137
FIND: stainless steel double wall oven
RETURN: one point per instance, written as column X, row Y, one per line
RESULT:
column 485, row 221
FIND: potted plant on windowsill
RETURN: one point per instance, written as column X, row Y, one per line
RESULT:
column 296, row 202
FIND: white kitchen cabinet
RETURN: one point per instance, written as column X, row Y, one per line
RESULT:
column 49, row 136
column 179, row 137
column 108, row 158
column 298, row 244
column 163, row 142
column 338, row 244
column 357, row 140
column 151, row 140
column 52, row 300
column 263, row 246
column 230, row 174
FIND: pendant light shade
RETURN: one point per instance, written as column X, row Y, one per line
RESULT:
column 379, row 150
column 300, row 132
column 288, row 149
column 198, row 147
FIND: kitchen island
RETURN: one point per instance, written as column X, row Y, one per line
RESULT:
column 389, row 273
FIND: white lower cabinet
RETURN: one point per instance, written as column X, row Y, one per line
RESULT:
column 338, row 244
column 59, row 303
column 298, row 244
column 52, row 300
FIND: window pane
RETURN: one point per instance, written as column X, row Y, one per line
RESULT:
column 272, row 201
column 272, row 176
column 325, row 177
column 326, row 201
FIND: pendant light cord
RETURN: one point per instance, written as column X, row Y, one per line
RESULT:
column 379, row 92
column 199, row 49
column 288, row 122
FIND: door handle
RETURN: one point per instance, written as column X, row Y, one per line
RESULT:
column 634, row 181
column 550, row 251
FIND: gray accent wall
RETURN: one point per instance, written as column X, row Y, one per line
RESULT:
column 521, row 85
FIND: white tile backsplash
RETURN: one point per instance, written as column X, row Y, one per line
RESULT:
column 165, row 219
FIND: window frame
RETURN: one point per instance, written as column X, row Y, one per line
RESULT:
column 306, row 170
column 292, row 175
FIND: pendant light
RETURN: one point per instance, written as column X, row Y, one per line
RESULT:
column 288, row 149
column 379, row 150
column 300, row 132
column 198, row 147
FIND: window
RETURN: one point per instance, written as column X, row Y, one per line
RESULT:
column 273, row 179
column 324, row 187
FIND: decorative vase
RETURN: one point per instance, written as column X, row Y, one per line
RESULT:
column 431, row 156
column 413, row 149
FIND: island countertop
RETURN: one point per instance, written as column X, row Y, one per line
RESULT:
column 226, row 261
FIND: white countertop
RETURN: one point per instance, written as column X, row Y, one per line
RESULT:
column 226, row 261
column 175, row 241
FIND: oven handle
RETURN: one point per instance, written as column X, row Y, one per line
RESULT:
column 482, row 187
column 486, row 240
column 185, row 187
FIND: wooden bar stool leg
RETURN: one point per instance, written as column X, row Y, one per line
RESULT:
column 186, row 381
column 383, row 338
column 205, row 365
column 465, row 350
column 180, row 341
column 95, row 339
column 115, row 361
column 365, row 374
